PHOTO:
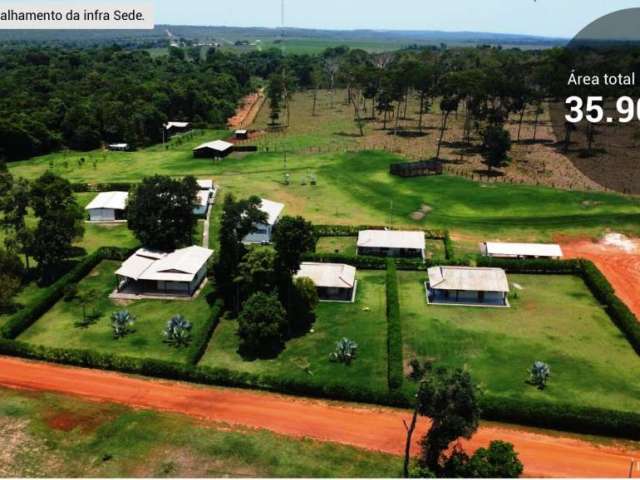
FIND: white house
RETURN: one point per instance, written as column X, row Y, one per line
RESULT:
column 471, row 286
column 108, row 207
column 392, row 243
column 262, row 231
column 333, row 281
column 178, row 273
column 118, row 147
column 521, row 250
column 177, row 127
column 215, row 149
column 206, row 195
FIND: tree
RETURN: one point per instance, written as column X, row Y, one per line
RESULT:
column 261, row 326
column 122, row 323
column 301, row 315
column 500, row 460
column 238, row 220
column 496, row 146
column 59, row 225
column 449, row 400
column 292, row 237
column 178, row 331
column 160, row 212
column 447, row 106
column 256, row 271
column 11, row 275
column 539, row 374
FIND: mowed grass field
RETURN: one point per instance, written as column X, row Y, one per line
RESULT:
column 56, row 328
column 553, row 318
column 46, row 435
column 306, row 359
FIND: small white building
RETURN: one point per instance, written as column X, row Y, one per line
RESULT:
column 215, row 149
column 241, row 134
column 521, row 250
column 471, row 286
column 179, row 273
column 118, row 147
column 391, row 243
column 333, row 281
column 108, row 207
column 262, row 231
column 205, row 197
column 177, row 127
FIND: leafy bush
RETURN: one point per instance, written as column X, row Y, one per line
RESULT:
column 178, row 331
column 395, row 367
column 262, row 326
column 121, row 323
column 345, row 352
column 539, row 374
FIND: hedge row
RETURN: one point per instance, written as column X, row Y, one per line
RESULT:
column 352, row 231
column 561, row 416
column 101, row 187
column 395, row 371
column 449, row 252
column 624, row 318
column 198, row 348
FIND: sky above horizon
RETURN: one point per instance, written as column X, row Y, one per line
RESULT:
column 563, row 18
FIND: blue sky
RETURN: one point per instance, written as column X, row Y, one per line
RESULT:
column 562, row 18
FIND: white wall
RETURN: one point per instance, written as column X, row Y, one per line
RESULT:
column 263, row 235
column 102, row 215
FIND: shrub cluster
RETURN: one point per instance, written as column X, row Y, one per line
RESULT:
column 101, row 187
column 395, row 372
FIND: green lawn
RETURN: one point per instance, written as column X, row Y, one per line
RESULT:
column 553, row 318
column 56, row 327
column 46, row 435
column 341, row 245
column 306, row 359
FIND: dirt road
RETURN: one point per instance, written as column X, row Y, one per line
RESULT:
column 620, row 266
column 247, row 111
column 370, row 428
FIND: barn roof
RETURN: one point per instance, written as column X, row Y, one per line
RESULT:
column 522, row 249
column 468, row 279
column 217, row 145
column 328, row 275
column 391, row 239
column 205, row 184
column 170, row 125
column 179, row 266
column 109, row 200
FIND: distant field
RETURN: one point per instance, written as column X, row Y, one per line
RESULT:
column 553, row 318
column 306, row 359
column 46, row 435
column 56, row 327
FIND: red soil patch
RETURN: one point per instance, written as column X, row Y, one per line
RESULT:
column 373, row 428
column 247, row 111
column 67, row 421
column 621, row 268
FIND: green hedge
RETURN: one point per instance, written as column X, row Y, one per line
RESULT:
column 198, row 348
column 561, row 416
column 48, row 296
column 102, row 187
column 449, row 252
column 395, row 372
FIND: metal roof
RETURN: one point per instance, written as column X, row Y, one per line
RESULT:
column 177, row 125
column 328, row 275
column 391, row 239
column 179, row 266
column 109, row 200
column 272, row 209
column 523, row 249
column 468, row 279
column 205, row 184
column 217, row 145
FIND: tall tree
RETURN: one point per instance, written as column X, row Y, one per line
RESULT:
column 495, row 147
column 160, row 212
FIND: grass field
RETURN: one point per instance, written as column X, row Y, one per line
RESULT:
column 553, row 318
column 45, row 435
column 56, row 328
column 307, row 358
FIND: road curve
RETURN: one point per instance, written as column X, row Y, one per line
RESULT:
column 373, row 428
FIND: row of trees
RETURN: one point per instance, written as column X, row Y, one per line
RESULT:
column 257, row 283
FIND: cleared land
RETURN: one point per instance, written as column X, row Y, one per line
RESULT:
column 57, row 328
column 55, row 436
column 552, row 318
column 543, row 453
column 306, row 359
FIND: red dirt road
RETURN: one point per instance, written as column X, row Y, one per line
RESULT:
column 621, row 268
column 378, row 429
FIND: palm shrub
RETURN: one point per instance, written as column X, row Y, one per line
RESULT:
column 121, row 323
column 539, row 374
column 178, row 331
column 346, row 350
